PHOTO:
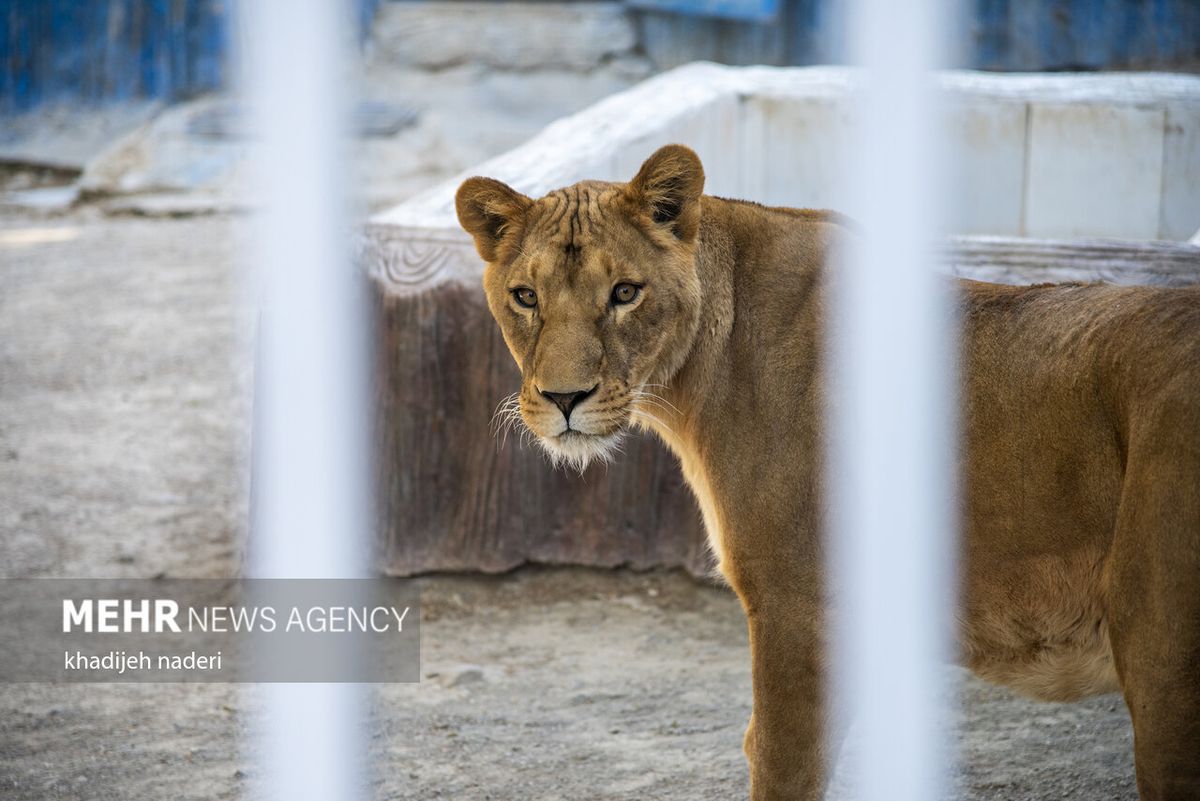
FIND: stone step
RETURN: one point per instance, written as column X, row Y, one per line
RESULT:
column 508, row 36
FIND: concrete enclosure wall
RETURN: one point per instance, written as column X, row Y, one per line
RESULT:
column 1048, row 156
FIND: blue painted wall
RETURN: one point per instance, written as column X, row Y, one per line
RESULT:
column 93, row 51
column 752, row 10
column 1084, row 34
column 1013, row 35
column 104, row 50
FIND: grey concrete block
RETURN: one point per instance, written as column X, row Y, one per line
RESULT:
column 517, row 36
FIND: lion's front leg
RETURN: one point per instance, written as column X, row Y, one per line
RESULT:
column 786, row 740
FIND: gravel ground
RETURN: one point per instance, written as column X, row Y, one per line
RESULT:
column 122, row 418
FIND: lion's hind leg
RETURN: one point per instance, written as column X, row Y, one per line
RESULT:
column 1153, row 605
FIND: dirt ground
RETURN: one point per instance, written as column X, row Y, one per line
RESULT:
column 122, row 431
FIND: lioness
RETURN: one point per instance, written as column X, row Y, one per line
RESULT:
column 701, row 319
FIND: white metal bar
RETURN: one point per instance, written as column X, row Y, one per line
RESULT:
column 309, row 483
column 893, row 426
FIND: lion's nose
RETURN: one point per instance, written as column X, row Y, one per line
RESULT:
column 567, row 401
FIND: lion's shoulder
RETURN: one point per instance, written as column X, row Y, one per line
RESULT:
column 799, row 214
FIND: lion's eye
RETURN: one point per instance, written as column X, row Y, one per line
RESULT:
column 524, row 296
column 625, row 293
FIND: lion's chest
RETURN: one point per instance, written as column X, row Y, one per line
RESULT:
column 714, row 528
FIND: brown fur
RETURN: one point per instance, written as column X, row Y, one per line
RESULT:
column 1080, row 459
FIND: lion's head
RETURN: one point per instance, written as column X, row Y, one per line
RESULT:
column 595, row 290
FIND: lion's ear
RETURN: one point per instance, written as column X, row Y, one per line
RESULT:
column 486, row 209
column 668, row 187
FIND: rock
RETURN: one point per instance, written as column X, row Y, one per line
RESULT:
column 462, row 676
column 44, row 200
column 164, row 156
column 517, row 36
column 174, row 204
column 68, row 135
column 228, row 120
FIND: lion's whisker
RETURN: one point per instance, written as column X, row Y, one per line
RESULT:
column 507, row 417
column 641, row 396
column 647, row 415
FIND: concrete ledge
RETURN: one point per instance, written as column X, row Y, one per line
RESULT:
column 1056, row 156
column 516, row 36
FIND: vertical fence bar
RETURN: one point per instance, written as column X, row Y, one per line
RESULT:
column 310, row 463
column 893, row 428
